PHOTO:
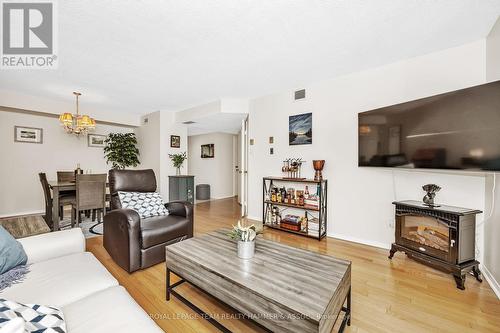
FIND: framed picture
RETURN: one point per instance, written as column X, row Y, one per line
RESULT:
column 175, row 141
column 96, row 140
column 28, row 134
column 207, row 151
column 300, row 129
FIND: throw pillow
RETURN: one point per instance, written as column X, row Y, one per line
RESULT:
column 37, row 318
column 11, row 252
column 146, row 204
column 15, row 325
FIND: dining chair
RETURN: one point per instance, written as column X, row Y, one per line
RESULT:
column 63, row 177
column 90, row 195
column 66, row 199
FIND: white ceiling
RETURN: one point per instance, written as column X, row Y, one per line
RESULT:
column 142, row 56
column 220, row 122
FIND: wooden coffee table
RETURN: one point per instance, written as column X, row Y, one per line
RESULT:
column 282, row 288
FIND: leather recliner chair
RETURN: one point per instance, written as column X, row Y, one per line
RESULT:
column 136, row 243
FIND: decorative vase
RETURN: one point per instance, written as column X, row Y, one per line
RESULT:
column 246, row 250
column 178, row 171
column 318, row 166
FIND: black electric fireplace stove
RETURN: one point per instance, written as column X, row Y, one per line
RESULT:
column 443, row 237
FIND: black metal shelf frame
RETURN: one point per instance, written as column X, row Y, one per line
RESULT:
column 322, row 211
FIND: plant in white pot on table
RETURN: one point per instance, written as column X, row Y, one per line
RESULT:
column 245, row 235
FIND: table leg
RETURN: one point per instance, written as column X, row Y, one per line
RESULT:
column 349, row 307
column 55, row 209
column 168, row 284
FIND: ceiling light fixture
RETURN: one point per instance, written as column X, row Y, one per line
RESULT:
column 75, row 123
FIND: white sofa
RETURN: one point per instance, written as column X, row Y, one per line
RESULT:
column 62, row 274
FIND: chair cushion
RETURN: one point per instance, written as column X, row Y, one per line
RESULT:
column 161, row 229
column 146, row 204
column 11, row 252
column 61, row 281
column 111, row 310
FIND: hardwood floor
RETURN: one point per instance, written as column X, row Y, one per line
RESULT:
column 388, row 296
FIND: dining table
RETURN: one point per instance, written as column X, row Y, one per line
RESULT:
column 56, row 188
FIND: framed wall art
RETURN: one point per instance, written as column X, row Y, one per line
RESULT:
column 175, row 141
column 207, row 151
column 28, row 134
column 300, row 129
column 96, row 140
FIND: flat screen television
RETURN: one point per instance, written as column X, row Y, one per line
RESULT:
column 457, row 130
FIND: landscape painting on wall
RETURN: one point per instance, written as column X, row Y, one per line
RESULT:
column 96, row 140
column 300, row 129
column 28, row 134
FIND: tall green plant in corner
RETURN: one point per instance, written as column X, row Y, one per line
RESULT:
column 121, row 150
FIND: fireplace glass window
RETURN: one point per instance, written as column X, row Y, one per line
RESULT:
column 426, row 231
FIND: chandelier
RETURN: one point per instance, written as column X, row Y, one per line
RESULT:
column 75, row 123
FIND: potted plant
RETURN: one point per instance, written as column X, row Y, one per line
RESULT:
column 121, row 150
column 246, row 240
column 177, row 161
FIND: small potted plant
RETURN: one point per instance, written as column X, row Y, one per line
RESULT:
column 177, row 161
column 246, row 240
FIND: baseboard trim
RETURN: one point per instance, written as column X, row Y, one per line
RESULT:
column 36, row 212
column 253, row 218
column 342, row 237
column 223, row 197
column 491, row 280
column 360, row 241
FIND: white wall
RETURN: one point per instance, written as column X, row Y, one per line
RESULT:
column 493, row 53
column 21, row 162
column 359, row 206
column 154, row 143
column 492, row 192
column 217, row 171
column 169, row 126
column 148, row 138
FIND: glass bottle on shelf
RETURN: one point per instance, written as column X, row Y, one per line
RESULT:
column 306, row 192
column 283, row 194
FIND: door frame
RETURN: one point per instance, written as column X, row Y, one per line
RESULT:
column 244, row 168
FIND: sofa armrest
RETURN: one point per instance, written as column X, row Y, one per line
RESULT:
column 122, row 238
column 53, row 245
column 184, row 209
column 180, row 208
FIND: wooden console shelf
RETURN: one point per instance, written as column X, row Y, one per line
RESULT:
column 316, row 215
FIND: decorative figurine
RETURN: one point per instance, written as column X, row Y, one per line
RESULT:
column 318, row 166
column 291, row 166
column 431, row 190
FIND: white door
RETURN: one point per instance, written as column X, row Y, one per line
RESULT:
column 244, row 167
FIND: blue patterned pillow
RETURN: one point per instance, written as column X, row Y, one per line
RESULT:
column 146, row 204
column 11, row 252
column 37, row 318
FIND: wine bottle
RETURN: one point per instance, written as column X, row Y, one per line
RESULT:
column 78, row 171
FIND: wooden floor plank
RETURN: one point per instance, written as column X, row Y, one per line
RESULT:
column 388, row 296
